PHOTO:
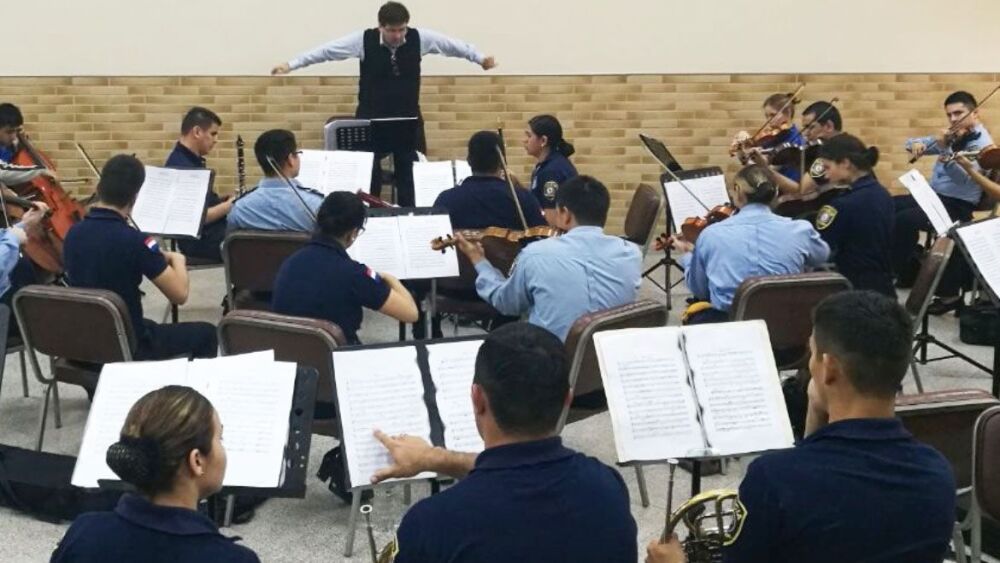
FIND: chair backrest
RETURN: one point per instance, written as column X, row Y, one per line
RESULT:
column 643, row 212
column 51, row 319
column 785, row 303
column 252, row 258
column 926, row 282
column 985, row 460
column 307, row 342
column 945, row 421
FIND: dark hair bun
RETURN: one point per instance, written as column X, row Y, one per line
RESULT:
column 871, row 155
column 565, row 148
column 135, row 460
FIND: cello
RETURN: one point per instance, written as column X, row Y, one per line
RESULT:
column 66, row 211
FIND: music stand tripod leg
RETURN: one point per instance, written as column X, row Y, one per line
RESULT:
column 352, row 523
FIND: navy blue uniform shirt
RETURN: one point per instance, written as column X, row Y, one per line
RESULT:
column 526, row 502
column 321, row 281
column 138, row 530
column 548, row 175
column 485, row 201
column 854, row 490
column 858, row 226
column 104, row 252
column 183, row 157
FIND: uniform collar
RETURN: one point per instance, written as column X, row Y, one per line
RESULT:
column 864, row 182
column 584, row 230
column 189, row 154
column 869, row 429
column 522, row 454
column 482, row 180
column 166, row 519
column 104, row 214
column 320, row 240
column 553, row 155
column 268, row 182
column 753, row 209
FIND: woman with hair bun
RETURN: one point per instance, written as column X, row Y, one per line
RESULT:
column 857, row 224
column 543, row 140
column 171, row 450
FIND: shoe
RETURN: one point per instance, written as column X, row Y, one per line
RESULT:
column 941, row 306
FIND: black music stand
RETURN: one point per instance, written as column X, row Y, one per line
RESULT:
column 955, row 234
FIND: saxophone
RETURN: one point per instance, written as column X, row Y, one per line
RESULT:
column 713, row 520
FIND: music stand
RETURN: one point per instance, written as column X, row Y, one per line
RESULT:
column 661, row 153
column 955, row 234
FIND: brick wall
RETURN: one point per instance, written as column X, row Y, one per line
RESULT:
column 695, row 114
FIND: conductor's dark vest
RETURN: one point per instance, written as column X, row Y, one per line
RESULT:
column 389, row 88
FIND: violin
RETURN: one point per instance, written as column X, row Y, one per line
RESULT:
column 769, row 134
column 373, row 201
column 988, row 157
column 66, row 211
column 692, row 227
column 43, row 247
column 509, row 235
column 951, row 136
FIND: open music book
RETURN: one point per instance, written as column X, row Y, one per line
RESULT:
column 691, row 392
column 401, row 246
column 928, row 200
column 432, row 178
column 171, row 201
column 417, row 389
column 708, row 192
column 336, row 171
column 252, row 394
column 978, row 241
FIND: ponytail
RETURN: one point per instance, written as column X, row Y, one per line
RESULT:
column 549, row 127
column 848, row 147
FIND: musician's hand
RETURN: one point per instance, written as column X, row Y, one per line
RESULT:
column 680, row 245
column 489, row 62
column 410, row 455
column 917, row 148
column 472, row 250
column 756, row 156
column 283, row 68
column 964, row 162
column 50, row 174
column 32, row 219
column 670, row 552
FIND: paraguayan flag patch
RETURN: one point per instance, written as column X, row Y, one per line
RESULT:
column 151, row 244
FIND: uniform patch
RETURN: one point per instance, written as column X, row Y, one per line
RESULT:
column 818, row 170
column 151, row 244
column 549, row 190
column 372, row 274
column 825, row 217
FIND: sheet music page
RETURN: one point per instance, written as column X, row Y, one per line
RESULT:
column 737, row 386
column 153, row 202
column 378, row 389
column 348, row 171
column 452, row 366
column 380, row 247
column 928, row 200
column 187, row 203
column 981, row 242
column 462, row 171
column 430, row 179
column 312, row 169
column 652, row 406
column 416, row 233
column 120, row 386
column 710, row 190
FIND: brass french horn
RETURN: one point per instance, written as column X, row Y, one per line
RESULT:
column 713, row 520
column 388, row 553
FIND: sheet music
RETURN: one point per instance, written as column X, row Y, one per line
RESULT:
column 430, row 179
column 928, row 200
column 422, row 261
column 462, row 171
column 172, row 201
column 332, row 171
column 653, row 411
column 452, row 366
column 981, row 240
column 711, row 190
column 737, row 387
column 378, row 389
column 380, row 248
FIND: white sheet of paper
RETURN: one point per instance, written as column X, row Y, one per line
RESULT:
column 462, row 171
column 331, row 171
column 982, row 242
column 653, row 411
column 430, row 179
column 378, row 389
column 738, row 388
column 380, row 247
column 711, row 190
column 928, row 200
column 171, row 201
column 312, row 169
column 416, row 233
column 452, row 366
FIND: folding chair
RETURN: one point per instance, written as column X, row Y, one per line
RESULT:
column 252, row 260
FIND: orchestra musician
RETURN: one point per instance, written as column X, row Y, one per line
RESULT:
column 11, row 122
column 779, row 111
column 16, row 270
column 859, row 486
column 389, row 83
column 199, row 133
column 820, row 121
column 543, row 141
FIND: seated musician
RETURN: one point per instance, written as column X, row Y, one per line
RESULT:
column 526, row 488
column 199, row 133
column 779, row 111
column 273, row 205
column 11, row 122
column 543, row 141
column 560, row 279
column 171, row 450
column 754, row 242
column 857, row 223
column 820, row 121
column 104, row 252
column 17, row 271
column 859, row 487
column 959, row 192
column 322, row 281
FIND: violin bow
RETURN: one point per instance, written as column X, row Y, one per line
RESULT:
column 792, row 98
column 802, row 156
column 513, row 190
column 277, row 170
column 953, row 128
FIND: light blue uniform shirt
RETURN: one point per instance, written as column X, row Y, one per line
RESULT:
column 273, row 206
column 754, row 242
column 558, row 280
column 10, row 252
column 948, row 178
column 352, row 47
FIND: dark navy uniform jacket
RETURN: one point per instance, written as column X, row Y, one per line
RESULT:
column 854, row 490
column 321, row 281
column 211, row 233
column 526, row 502
column 548, row 175
column 138, row 530
column 485, row 201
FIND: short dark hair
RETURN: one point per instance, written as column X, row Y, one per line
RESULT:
column 523, row 370
column 848, row 147
column 961, row 97
column 278, row 144
column 393, row 13
column 549, row 127
column 828, row 111
column 199, row 117
column 870, row 334
column 585, row 197
column 778, row 100
column 121, row 178
column 10, row 116
column 483, row 157
column 339, row 214
column 761, row 188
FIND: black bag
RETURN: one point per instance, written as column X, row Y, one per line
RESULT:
column 979, row 325
column 38, row 483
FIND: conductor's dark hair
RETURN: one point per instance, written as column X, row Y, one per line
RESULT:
column 483, row 157
column 121, row 178
column 278, row 144
column 10, row 116
column 548, row 126
column 587, row 198
column 870, row 334
column 848, row 147
column 199, row 117
column 777, row 100
column 523, row 371
column 339, row 214
column 961, row 97
column 760, row 188
column 393, row 13
column 829, row 113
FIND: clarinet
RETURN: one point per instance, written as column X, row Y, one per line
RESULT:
column 241, row 167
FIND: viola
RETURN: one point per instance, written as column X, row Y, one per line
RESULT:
column 509, row 235
column 692, row 227
column 66, row 211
